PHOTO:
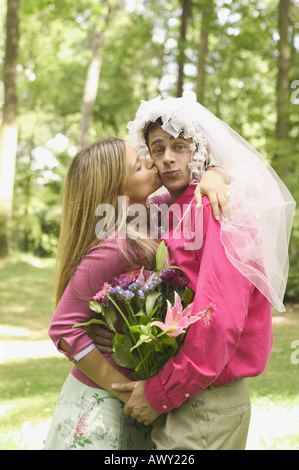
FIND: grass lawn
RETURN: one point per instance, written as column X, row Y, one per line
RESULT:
column 275, row 394
column 29, row 387
column 27, row 297
column 28, row 393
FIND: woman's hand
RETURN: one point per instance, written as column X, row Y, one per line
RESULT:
column 213, row 184
column 101, row 337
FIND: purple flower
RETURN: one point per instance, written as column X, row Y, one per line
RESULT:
column 175, row 277
column 167, row 274
column 123, row 280
column 178, row 279
column 105, row 302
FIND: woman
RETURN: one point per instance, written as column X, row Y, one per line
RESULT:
column 89, row 413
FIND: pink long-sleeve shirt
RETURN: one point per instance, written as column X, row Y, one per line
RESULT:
column 101, row 263
column 238, row 341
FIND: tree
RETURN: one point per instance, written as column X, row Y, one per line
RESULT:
column 182, row 45
column 284, row 64
column 9, row 130
column 283, row 86
column 93, row 74
column 207, row 8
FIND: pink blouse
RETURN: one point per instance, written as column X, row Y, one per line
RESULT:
column 101, row 264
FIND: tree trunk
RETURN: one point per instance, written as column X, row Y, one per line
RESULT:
column 93, row 75
column 9, row 130
column 206, row 12
column 182, row 45
column 283, row 86
column 284, row 64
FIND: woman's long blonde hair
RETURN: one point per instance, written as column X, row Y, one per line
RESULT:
column 97, row 175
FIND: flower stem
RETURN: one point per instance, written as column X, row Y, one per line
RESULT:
column 128, row 325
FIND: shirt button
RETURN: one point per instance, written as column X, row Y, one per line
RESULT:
column 164, row 407
column 187, row 395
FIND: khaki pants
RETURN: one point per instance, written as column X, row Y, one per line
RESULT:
column 215, row 419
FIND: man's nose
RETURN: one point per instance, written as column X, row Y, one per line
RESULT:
column 168, row 157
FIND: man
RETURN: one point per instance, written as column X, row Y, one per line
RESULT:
column 200, row 396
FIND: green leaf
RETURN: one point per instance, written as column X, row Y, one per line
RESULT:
column 143, row 339
column 188, row 295
column 135, row 329
column 110, row 317
column 160, row 256
column 146, row 329
column 139, row 314
column 144, row 320
column 158, row 347
column 175, row 267
column 122, row 355
column 150, row 302
column 169, row 341
column 93, row 320
column 95, row 306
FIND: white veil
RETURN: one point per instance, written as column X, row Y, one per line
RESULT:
column 261, row 209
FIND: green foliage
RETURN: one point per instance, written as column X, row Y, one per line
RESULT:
column 139, row 61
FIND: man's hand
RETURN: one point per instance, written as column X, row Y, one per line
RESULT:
column 137, row 406
column 101, row 337
column 213, row 184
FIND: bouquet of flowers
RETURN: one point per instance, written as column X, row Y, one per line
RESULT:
column 155, row 310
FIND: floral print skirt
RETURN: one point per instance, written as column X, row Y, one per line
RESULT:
column 87, row 418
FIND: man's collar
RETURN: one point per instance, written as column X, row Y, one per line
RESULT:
column 186, row 196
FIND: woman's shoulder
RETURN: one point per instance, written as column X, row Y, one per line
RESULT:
column 108, row 254
column 115, row 246
column 101, row 263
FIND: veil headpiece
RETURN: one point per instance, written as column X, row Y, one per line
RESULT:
column 261, row 209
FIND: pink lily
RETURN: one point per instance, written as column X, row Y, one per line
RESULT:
column 177, row 319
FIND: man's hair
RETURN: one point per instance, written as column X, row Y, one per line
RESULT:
column 151, row 127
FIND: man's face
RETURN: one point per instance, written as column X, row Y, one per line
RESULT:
column 171, row 156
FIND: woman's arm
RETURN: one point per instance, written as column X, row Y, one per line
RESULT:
column 213, row 184
column 97, row 267
column 100, row 371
